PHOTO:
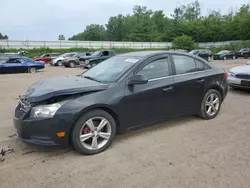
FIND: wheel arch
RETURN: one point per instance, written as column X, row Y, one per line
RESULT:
column 218, row 88
column 95, row 107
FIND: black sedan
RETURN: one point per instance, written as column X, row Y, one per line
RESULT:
column 122, row 93
column 244, row 52
column 224, row 55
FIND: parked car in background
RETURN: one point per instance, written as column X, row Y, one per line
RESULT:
column 97, row 57
column 203, row 53
column 23, row 53
column 244, row 52
column 20, row 64
column 239, row 77
column 47, row 58
column 225, row 54
column 75, row 60
column 58, row 61
column 122, row 93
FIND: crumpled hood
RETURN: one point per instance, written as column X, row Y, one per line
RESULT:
column 245, row 69
column 64, row 85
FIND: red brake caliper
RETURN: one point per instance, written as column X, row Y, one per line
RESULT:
column 86, row 130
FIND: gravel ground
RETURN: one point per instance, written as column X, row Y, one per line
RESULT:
column 185, row 152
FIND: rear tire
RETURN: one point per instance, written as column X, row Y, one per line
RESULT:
column 32, row 70
column 210, row 105
column 87, row 146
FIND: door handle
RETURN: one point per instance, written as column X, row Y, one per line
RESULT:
column 167, row 89
column 200, row 80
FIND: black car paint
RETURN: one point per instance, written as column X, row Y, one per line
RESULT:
column 226, row 55
column 204, row 53
column 97, row 59
column 243, row 53
column 69, row 85
column 131, row 106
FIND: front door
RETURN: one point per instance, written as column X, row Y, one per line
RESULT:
column 14, row 65
column 150, row 102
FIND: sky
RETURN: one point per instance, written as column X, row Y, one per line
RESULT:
column 46, row 19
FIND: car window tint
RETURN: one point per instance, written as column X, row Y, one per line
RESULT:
column 156, row 69
column 105, row 53
column 184, row 64
column 200, row 66
column 13, row 61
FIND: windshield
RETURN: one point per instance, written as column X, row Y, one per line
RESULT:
column 111, row 69
column 97, row 53
column 75, row 55
column 223, row 52
column 194, row 52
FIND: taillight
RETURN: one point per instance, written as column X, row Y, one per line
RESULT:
column 225, row 75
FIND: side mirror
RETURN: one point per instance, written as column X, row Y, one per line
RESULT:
column 137, row 79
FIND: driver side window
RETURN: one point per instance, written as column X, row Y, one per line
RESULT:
column 14, row 61
column 156, row 69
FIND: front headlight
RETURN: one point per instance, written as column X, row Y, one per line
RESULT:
column 45, row 111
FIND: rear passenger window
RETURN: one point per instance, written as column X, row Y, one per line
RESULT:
column 183, row 64
column 201, row 66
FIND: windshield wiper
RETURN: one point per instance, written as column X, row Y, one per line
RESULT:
column 91, row 78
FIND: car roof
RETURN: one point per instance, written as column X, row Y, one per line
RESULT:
column 144, row 54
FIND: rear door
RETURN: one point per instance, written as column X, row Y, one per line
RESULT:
column 152, row 101
column 189, row 84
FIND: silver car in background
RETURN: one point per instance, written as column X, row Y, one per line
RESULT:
column 239, row 77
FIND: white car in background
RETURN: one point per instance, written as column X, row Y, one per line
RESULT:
column 58, row 61
column 239, row 77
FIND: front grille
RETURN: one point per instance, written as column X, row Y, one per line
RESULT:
column 243, row 76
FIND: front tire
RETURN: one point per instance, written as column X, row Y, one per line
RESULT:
column 210, row 105
column 93, row 132
column 59, row 63
column 93, row 64
column 32, row 70
column 72, row 64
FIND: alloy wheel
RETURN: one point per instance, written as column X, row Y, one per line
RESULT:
column 72, row 64
column 59, row 63
column 32, row 70
column 212, row 104
column 95, row 133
